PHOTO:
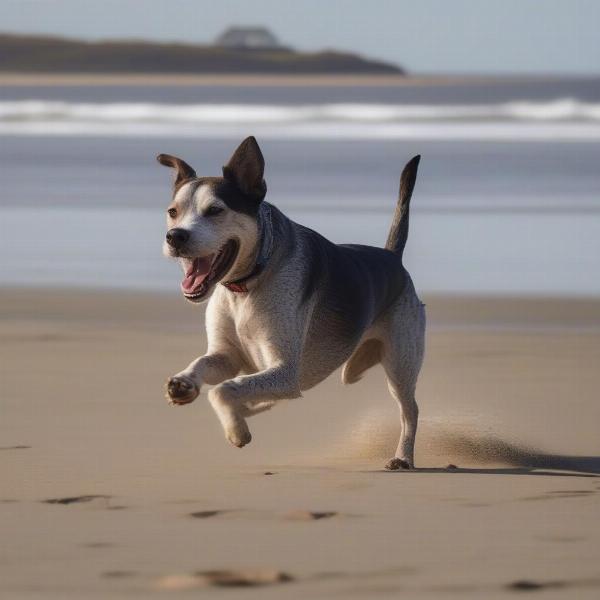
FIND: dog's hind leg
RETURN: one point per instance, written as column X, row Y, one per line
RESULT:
column 367, row 355
column 402, row 358
column 404, row 393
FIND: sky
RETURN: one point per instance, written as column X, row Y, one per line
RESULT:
column 424, row 36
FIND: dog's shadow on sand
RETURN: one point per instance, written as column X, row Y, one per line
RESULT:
column 520, row 460
column 551, row 471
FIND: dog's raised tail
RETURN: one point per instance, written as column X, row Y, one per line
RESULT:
column 399, row 229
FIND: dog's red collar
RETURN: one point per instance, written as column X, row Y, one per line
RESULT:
column 232, row 286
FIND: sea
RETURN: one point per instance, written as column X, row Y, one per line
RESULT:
column 507, row 200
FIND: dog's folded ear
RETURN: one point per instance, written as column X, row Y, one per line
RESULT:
column 183, row 171
column 246, row 169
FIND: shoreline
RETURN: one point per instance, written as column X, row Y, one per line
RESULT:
column 525, row 313
column 37, row 79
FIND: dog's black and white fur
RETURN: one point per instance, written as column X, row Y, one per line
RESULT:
column 288, row 307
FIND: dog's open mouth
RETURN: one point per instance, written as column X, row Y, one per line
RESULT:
column 204, row 271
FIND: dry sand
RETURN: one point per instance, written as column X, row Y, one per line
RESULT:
column 107, row 492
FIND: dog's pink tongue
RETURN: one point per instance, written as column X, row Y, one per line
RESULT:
column 196, row 274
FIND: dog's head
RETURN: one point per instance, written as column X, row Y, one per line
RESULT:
column 212, row 221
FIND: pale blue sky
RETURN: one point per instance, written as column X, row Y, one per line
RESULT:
column 429, row 36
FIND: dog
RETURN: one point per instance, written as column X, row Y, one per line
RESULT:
column 286, row 307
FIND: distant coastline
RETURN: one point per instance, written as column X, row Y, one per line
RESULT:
column 47, row 54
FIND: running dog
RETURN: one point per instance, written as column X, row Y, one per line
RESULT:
column 286, row 306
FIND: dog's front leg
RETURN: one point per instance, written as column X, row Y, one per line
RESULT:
column 214, row 368
column 239, row 398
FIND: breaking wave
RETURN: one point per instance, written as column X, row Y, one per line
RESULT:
column 563, row 118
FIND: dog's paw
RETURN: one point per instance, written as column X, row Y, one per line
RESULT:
column 239, row 434
column 397, row 464
column 181, row 390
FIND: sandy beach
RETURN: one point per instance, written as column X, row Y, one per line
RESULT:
column 107, row 492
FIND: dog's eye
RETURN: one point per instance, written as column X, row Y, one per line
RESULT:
column 172, row 212
column 213, row 210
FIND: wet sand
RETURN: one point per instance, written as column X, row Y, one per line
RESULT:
column 108, row 492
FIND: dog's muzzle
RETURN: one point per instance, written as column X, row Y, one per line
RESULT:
column 177, row 238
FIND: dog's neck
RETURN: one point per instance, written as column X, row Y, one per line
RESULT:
column 258, row 258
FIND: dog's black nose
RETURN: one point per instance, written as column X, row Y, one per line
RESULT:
column 177, row 237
